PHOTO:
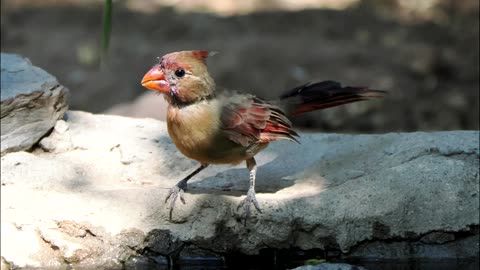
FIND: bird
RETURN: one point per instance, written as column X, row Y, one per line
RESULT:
column 214, row 126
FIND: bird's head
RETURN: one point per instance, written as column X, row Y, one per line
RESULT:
column 181, row 76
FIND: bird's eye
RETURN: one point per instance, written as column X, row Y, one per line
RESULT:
column 180, row 72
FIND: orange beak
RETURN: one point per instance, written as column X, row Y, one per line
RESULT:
column 155, row 80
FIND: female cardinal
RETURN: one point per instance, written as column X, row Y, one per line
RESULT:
column 229, row 127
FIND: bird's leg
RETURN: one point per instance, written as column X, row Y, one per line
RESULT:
column 252, row 168
column 179, row 189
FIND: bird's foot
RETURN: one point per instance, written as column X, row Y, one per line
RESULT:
column 176, row 192
column 245, row 203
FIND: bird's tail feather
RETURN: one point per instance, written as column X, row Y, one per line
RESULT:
column 322, row 95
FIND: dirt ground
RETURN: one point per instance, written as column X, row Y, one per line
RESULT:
column 429, row 66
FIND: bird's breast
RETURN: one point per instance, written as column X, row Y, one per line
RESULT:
column 196, row 132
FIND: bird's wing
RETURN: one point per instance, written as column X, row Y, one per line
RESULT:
column 248, row 120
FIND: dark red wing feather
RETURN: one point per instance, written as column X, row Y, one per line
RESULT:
column 252, row 120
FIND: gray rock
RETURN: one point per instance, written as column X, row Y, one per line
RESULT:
column 368, row 196
column 32, row 101
column 437, row 238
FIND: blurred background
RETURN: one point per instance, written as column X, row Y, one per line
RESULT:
column 424, row 53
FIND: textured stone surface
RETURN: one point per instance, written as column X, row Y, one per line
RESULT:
column 32, row 101
column 99, row 183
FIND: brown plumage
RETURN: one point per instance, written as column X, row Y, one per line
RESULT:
column 229, row 127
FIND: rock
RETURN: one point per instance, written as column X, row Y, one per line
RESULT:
column 22, row 246
column 330, row 266
column 32, row 101
column 162, row 242
column 410, row 195
column 72, row 249
column 4, row 264
column 59, row 140
column 437, row 238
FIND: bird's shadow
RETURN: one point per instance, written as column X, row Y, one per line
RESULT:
column 276, row 171
column 235, row 181
column 282, row 170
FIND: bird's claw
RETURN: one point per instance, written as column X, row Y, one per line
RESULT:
column 245, row 203
column 176, row 192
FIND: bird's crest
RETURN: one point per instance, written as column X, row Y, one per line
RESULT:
column 185, row 59
column 202, row 55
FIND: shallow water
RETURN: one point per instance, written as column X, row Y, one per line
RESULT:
column 413, row 264
column 215, row 263
column 256, row 264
